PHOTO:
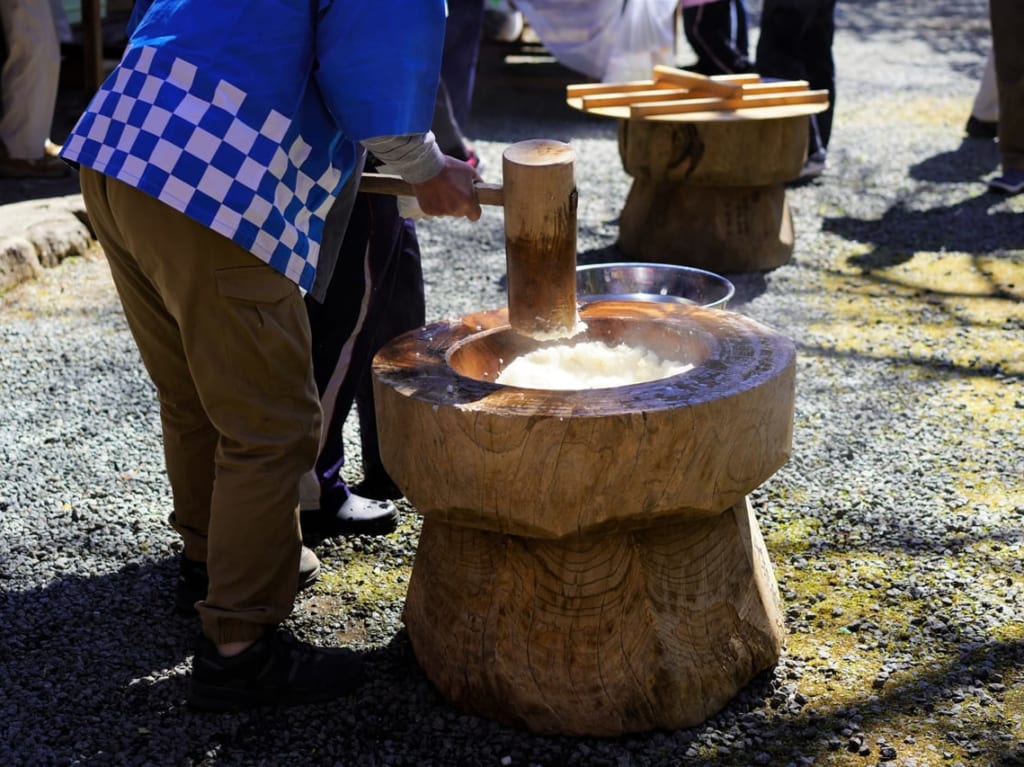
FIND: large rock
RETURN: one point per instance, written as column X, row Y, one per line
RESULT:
column 35, row 234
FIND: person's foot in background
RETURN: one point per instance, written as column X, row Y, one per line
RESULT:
column 814, row 166
column 983, row 129
column 332, row 509
column 47, row 165
column 502, row 22
column 1011, row 181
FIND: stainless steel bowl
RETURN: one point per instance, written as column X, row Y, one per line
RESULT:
column 627, row 281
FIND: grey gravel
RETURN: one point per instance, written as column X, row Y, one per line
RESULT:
column 887, row 470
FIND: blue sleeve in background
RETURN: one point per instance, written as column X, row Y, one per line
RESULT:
column 138, row 11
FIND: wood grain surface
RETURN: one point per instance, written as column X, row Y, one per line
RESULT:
column 597, row 634
column 548, row 464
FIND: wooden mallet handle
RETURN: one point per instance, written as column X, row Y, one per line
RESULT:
column 539, row 198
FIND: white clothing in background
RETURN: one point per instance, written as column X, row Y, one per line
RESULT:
column 30, row 76
column 605, row 39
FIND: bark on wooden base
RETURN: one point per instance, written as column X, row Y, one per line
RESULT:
column 710, row 194
column 598, row 634
column 726, row 229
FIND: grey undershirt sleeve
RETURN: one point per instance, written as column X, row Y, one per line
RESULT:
column 416, row 157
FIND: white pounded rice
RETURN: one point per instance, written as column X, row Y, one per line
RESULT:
column 587, row 365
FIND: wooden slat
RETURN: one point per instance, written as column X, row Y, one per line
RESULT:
column 694, row 81
column 749, row 77
column 776, row 86
column 717, row 105
column 628, row 98
column 583, row 90
column 635, row 97
column 580, row 90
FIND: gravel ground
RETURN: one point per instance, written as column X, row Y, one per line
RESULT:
column 895, row 529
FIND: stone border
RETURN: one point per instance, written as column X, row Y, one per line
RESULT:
column 37, row 234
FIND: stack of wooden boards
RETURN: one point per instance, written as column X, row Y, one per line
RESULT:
column 673, row 91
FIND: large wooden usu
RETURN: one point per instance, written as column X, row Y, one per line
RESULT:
column 588, row 562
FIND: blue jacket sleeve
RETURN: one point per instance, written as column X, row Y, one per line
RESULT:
column 379, row 64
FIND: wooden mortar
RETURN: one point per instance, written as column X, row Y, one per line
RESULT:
column 588, row 562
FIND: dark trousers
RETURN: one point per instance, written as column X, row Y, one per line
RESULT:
column 1008, row 49
column 375, row 294
column 717, row 32
column 461, row 50
column 796, row 44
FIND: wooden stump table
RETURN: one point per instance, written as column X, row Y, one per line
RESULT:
column 708, row 186
column 588, row 562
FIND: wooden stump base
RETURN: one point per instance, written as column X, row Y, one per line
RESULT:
column 588, row 562
column 595, row 634
column 710, row 194
column 724, row 229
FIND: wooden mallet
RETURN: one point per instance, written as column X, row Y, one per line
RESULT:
column 539, row 197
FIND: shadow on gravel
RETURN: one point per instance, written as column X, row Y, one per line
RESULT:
column 971, row 161
column 947, row 26
column 944, row 368
column 20, row 190
column 936, row 694
column 968, row 226
column 902, row 231
column 91, row 672
column 80, row 642
column 88, row 699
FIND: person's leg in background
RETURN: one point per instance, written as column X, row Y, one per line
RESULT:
column 741, row 31
column 717, row 32
column 29, row 80
column 345, row 327
column 459, row 56
column 1007, row 17
column 448, row 131
column 780, row 44
column 406, row 311
column 821, row 71
column 795, row 43
column 983, row 121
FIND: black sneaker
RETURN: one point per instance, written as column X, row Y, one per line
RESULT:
column 976, row 128
column 1010, row 182
column 814, row 166
column 278, row 670
column 193, row 580
column 356, row 516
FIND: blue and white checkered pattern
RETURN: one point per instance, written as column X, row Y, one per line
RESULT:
column 206, row 149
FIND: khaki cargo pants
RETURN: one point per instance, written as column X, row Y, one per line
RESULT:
column 226, row 340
